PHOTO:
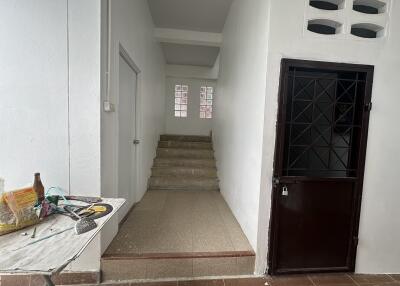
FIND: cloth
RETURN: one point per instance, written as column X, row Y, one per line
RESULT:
column 50, row 255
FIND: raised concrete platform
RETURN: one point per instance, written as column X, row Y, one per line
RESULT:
column 172, row 234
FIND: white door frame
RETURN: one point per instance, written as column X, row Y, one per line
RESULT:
column 136, row 158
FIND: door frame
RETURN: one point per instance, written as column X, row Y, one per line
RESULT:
column 278, row 159
column 122, row 52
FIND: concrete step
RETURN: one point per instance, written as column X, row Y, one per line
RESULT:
column 185, row 138
column 185, row 145
column 184, row 172
column 183, row 183
column 176, row 265
column 185, row 153
column 182, row 162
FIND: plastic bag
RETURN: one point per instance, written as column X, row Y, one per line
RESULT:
column 17, row 210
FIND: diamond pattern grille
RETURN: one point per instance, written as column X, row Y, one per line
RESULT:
column 321, row 124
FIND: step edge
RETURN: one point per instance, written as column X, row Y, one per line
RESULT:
column 178, row 255
column 179, row 177
column 185, row 149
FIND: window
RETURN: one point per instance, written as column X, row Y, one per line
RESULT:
column 181, row 100
column 206, row 102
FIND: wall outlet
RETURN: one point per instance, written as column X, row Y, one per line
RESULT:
column 108, row 106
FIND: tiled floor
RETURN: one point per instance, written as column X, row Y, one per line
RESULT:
column 292, row 280
column 178, row 234
column 179, row 222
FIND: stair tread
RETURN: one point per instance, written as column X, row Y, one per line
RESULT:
column 185, row 149
column 182, row 178
column 185, row 159
column 184, row 167
column 185, row 138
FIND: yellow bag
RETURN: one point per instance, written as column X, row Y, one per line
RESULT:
column 17, row 210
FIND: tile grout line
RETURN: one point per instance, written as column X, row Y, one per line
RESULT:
column 311, row 280
column 392, row 278
column 352, row 279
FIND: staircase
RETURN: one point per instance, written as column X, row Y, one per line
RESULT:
column 184, row 163
column 182, row 228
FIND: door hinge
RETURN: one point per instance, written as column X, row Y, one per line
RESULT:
column 368, row 106
column 355, row 241
column 275, row 181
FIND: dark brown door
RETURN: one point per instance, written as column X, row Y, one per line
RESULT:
column 319, row 166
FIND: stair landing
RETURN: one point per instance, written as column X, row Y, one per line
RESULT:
column 173, row 234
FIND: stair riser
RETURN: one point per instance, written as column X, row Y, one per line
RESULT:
column 165, row 162
column 184, row 153
column 183, row 183
column 185, row 138
column 185, row 172
column 131, row 269
column 187, row 145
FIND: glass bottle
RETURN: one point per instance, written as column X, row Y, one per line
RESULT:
column 38, row 187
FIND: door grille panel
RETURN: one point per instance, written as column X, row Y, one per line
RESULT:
column 321, row 122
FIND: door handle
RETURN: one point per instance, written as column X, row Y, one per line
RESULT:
column 136, row 142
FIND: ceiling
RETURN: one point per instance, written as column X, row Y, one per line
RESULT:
column 192, row 15
column 196, row 15
column 178, row 54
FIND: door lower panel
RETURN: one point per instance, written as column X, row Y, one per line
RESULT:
column 314, row 225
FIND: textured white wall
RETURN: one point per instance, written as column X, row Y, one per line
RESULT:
column 378, row 250
column 34, row 93
column 239, row 117
column 132, row 26
column 50, row 122
column 193, row 124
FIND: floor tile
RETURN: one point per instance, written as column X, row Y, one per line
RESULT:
column 289, row 280
column 153, row 201
column 202, row 283
column 370, row 278
column 172, row 283
column 395, row 276
column 245, row 282
column 331, row 279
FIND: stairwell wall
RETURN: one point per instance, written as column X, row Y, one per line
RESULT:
column 239, row 111
column 132, row 27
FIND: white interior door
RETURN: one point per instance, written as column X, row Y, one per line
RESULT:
column 127, row 133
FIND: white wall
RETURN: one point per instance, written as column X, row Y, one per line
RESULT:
column 192, row 124
column 33, row 77
column 184, row 71
column 239, row 117
column 378, row 250
column 132, row 27
column 50, row 98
